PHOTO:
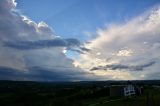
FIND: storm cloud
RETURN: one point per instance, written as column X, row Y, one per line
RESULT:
column 42, row 74
column 32, row 51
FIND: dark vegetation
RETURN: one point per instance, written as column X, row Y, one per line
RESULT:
column 27, row 93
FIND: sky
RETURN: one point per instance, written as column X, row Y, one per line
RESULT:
column 77, row 40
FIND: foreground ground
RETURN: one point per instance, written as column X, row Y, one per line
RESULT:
column 13, row 93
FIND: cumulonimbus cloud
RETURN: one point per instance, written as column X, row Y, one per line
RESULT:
column 31, row 51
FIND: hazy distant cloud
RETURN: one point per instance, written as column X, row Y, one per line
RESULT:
column 124, row 67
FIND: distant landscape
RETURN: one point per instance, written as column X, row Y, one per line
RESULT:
column 85, row 93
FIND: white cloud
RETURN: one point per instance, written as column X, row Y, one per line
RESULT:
column 124, row 53
column 133, row 43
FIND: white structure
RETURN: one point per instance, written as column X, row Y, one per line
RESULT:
column 129, row 91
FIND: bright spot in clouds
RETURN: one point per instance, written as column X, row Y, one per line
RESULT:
column 64, row 51
column 124, row 53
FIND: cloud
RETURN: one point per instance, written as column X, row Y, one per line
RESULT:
column 69, row 44
column 124, row 67
column 42, row 74
column 133, row 45
column 32, row 51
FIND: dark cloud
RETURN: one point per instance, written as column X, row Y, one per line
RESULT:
column 70, row 44
column 124, row 67
column 41, row 74
column 24, row 45
column 85, row 49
